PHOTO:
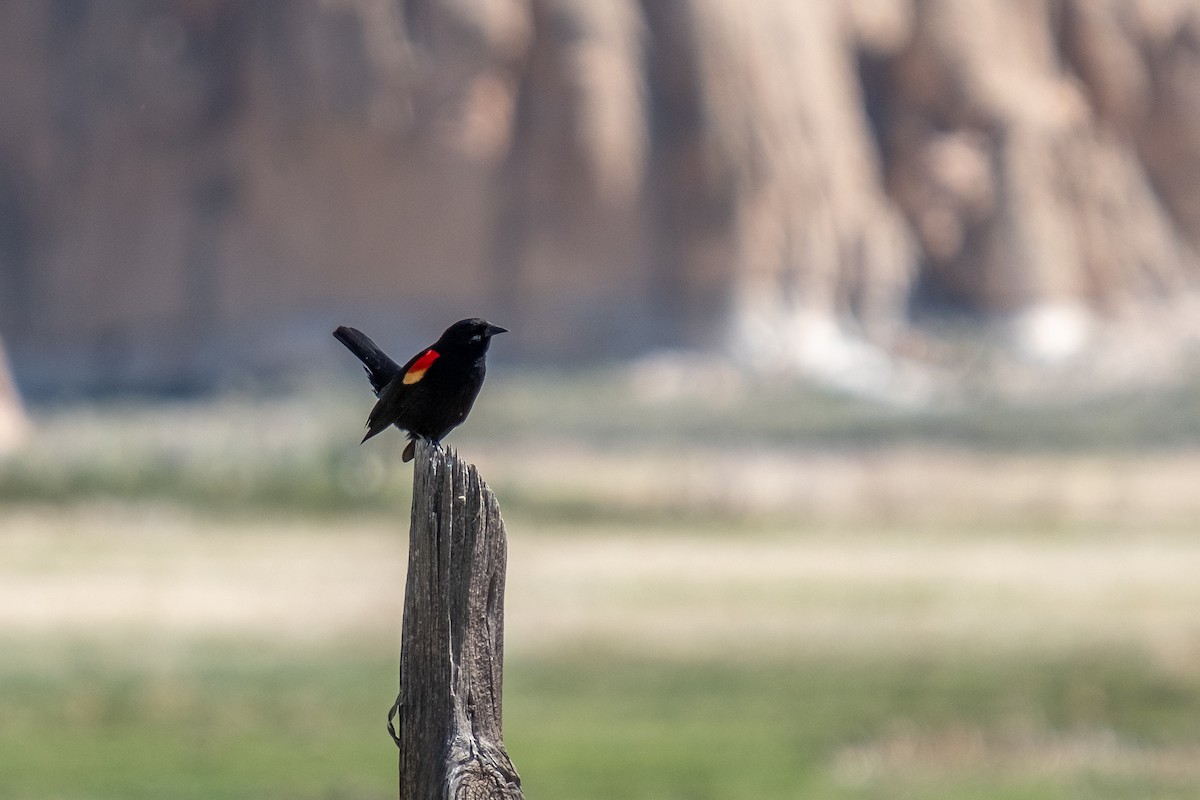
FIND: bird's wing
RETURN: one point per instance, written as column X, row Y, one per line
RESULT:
column 381, row 369
column 418, row 365
column 395, row 403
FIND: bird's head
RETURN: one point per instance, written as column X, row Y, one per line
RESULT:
column 472, row 334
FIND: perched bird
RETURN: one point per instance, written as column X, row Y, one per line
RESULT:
column 431, row 394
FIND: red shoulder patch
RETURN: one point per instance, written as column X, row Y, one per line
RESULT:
column 417, row 370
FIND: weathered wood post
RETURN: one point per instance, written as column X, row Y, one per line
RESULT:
column 452, row 649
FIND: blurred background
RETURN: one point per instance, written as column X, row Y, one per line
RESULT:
column 846, row 434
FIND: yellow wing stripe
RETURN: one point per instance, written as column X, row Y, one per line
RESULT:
column 420, row 366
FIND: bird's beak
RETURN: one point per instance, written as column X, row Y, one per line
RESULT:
column 492, row 330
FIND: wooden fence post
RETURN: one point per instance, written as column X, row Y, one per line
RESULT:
column 452, row 649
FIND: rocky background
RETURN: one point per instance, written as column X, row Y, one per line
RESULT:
column 193, row 187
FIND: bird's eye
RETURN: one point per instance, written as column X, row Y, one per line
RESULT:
column 477, row 338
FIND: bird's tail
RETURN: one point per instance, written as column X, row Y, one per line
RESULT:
column 379, row 366
column 375, row 427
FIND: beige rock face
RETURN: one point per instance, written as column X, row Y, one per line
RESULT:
column 182, row 176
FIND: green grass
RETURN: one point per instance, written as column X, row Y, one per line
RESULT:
column 301, row 454
column 218, row 453
column 226, row 719
column 743, row 729
column 619, row 407
column 133, row 719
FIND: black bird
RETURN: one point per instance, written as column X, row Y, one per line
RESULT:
column 431, row 394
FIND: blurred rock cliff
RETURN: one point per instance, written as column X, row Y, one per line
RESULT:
column 192, row 186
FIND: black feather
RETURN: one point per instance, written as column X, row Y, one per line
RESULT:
column 381, row 369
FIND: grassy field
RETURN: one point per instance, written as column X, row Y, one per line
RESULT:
column 202, row 600
column 199, row 718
